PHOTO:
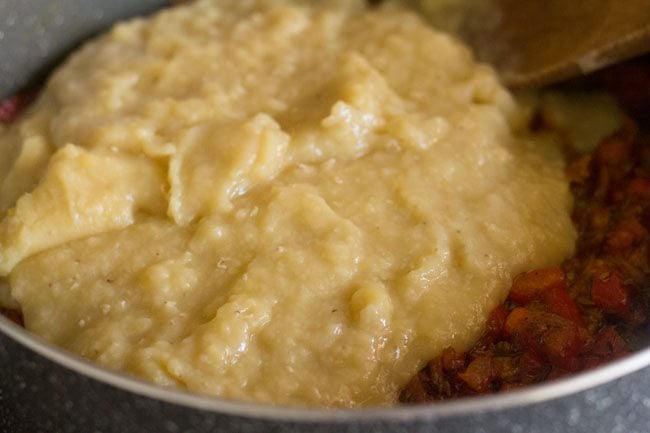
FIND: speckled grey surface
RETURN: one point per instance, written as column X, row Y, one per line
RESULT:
column 40, row 396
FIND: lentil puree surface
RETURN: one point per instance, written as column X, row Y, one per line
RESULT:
column 285, row 202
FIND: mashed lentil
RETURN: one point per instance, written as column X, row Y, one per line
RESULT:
column 273, row 201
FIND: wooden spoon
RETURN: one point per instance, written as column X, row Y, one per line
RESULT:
column 537, row 42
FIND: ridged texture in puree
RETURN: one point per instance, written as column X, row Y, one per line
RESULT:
column 273, row 201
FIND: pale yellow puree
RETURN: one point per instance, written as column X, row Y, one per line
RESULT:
column 276, row 201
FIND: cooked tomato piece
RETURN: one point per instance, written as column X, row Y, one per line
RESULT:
column 531, row 286
column 549, row 287
column 556, row 338
column 609, row 293
column 560, row 303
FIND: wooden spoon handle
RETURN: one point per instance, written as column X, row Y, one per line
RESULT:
column 539, row 41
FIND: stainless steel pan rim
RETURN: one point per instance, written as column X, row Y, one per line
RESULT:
column 527, row 396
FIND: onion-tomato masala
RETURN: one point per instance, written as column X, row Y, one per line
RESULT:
column 590, row 310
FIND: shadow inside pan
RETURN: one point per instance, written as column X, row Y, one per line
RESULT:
column 35, row 35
